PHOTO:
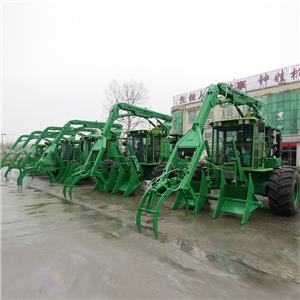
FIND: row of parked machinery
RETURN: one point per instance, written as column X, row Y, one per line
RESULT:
column 243, row 162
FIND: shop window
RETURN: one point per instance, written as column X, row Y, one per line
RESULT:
column 192, row 115
column 227, row 111
column 289, row 154
column 177, row 123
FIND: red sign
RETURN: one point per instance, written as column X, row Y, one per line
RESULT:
column 241, row 85
column 295, row 73
column 285, row 145
column 263, row 80
column 279, row 77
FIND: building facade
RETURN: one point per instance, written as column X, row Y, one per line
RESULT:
column 279, row 90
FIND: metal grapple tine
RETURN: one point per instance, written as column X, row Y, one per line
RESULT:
column 6, row 173
column 67, row 173
column 23, row 174
column 139, row 210
column 65, row 191
column 73, row 183
column 60, row 174
column 67, row 185
column 158, row 207
column 51, row 177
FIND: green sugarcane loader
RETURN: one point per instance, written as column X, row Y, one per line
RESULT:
column 23, row 159
column 147, row 152
column 67, row 151
column 12, row 150
column 18, row 148
column 115, row 171
column 244, row 162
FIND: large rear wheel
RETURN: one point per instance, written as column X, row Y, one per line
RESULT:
column 283, row 191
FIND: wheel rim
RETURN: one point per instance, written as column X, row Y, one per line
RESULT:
column 295, row 193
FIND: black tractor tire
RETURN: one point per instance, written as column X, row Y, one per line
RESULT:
column 283, row 191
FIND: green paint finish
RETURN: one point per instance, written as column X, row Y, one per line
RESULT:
column 114, row 170
column 245, row 151
column 66, row 150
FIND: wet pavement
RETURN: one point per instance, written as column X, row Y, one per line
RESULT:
column 89, row 248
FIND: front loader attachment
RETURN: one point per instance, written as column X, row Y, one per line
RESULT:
column 72, row 180
column 31, row 171
column 237, row 199
column 128, row 176
column 107, row 175
column 126, row 182
column 86, row 170
column 155, row 197
column 153, row 200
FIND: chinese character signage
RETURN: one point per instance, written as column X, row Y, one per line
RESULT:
column 196, row 95
column 181, row 99
column 295, row 73
column 260, row 81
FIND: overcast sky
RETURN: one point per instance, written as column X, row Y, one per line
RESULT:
column 59, row 56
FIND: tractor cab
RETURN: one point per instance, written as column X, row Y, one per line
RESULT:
column 149, row 146
column 255, row 144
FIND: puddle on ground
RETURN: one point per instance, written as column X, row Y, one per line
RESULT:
column 178, row 266
column 38, row 205
column 105, row 220
column 36, row 212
